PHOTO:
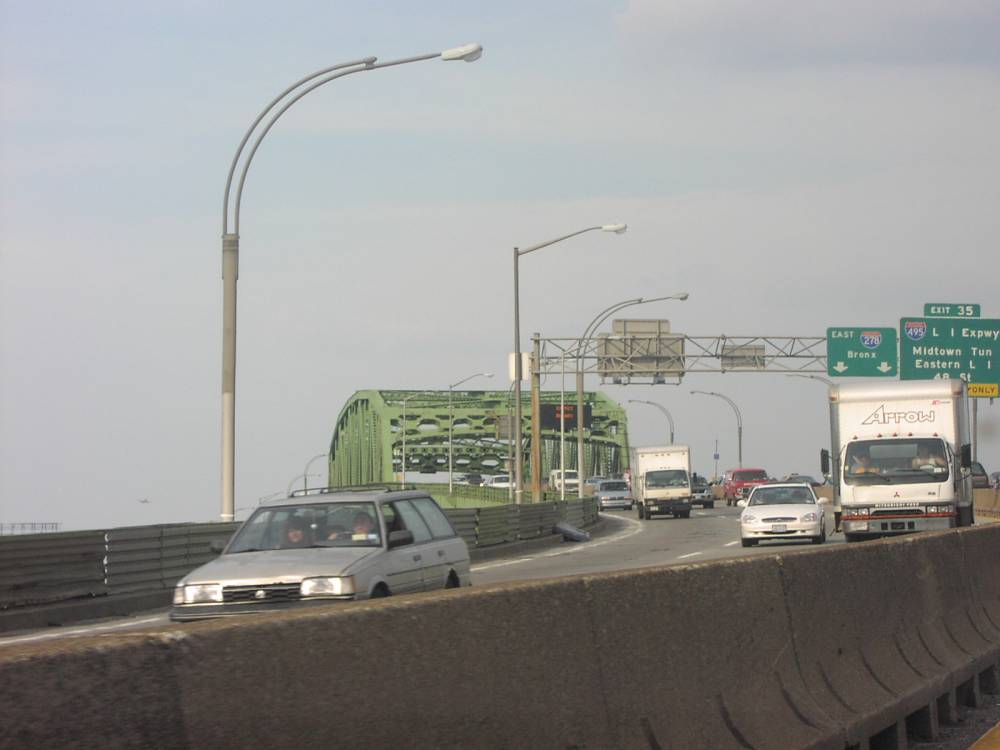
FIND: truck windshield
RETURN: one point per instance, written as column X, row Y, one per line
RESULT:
column 666, row 478
column 896, row 461
column 749, row 476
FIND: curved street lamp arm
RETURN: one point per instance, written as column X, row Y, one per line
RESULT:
column 263, row 114
column 552, row 242
column 661, row 407
column 474, row 375
column 360, row 67
column 736, row 409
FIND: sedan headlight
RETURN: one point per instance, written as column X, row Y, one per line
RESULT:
column 200, row 593
column 809, row 517
column 746, row 518
column 327, row 586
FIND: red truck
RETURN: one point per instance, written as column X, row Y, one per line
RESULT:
column 737, row 483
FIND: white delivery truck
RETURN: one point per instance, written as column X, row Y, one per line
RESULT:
column 661, row 480
column 900, row 457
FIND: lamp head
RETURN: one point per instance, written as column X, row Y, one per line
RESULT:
column 616, row 228
column 682, row 296
column 467, row 52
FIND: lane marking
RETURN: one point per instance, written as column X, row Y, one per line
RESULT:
column 82, row 631
column 690, row 554
column 730, row 544
column 636, row 528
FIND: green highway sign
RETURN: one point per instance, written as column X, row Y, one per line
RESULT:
column 949, row 348
column 861, row 352
column 951, row 310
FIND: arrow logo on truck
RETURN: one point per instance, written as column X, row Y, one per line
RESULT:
column 881, row 416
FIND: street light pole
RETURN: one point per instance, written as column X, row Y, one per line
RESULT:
column 670, row 419
column 519, row 458
column 739, row 422
column 305, row 471
column 451, row 421
column 231, row 240
column 581, row 352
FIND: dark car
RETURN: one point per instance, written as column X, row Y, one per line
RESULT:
column 473, row 479
column 980, row 479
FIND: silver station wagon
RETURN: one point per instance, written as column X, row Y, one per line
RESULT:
column 327, row 546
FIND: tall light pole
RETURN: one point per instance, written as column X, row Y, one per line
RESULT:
column 581, row 352
column 739, row 422
column 451, row 420
column 231, row 240
column 519, row 458
column 670, row 419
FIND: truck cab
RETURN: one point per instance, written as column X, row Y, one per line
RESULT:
column 900, row 459
column 661, row 481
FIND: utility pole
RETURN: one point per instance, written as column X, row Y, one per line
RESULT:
column 536, row 419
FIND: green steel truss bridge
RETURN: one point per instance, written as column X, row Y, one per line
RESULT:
column 367, row 444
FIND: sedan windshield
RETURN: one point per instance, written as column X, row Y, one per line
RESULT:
column 313, row 525
column 667, row 478
column 782, row 496
column 613, row 487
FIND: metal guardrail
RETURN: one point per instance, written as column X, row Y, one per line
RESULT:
column 46, row 568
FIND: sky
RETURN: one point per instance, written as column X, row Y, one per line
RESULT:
column 791, row 165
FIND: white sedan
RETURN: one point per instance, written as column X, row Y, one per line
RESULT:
column 788, row 511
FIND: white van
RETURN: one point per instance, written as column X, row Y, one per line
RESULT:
column 556, row 477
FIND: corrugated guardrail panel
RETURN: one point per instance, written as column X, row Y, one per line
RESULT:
column 41, row 568
column 496, row 525
column 135, row 558
column 537, row 520
column 464, row 521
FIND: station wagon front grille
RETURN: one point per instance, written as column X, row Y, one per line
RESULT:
column 268, row 592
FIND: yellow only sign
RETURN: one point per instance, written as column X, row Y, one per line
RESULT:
column 984, row 390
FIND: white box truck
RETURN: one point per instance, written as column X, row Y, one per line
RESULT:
column 900, row 457
column 661, row 480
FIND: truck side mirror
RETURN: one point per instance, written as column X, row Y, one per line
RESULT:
column 824, row 462
column 966, row 456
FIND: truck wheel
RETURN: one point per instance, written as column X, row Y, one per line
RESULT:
column 965, row 516
column 685, row 514
column 852, row 537
column 748, row 542
column 641, row 516
column 709, row 505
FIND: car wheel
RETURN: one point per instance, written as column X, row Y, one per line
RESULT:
column 452, row 582
column 748, row 542
column 380, row 592
column 709, row 505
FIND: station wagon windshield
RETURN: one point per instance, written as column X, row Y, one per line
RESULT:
column 309, row 525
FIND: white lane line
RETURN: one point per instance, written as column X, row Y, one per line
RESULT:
column 81, row 631
column 730, row 544
column 636, row 528
column 690, row 554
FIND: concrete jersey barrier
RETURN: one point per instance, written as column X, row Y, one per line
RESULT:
column 819, row 649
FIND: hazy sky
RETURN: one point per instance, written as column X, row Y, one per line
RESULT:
column 793, row 165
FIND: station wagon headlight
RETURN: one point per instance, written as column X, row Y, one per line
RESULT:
column 809, row 517
column 327, row 586
column 200, row 593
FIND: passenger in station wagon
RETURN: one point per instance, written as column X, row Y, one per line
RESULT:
column 363, row 524
column 296, row 534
